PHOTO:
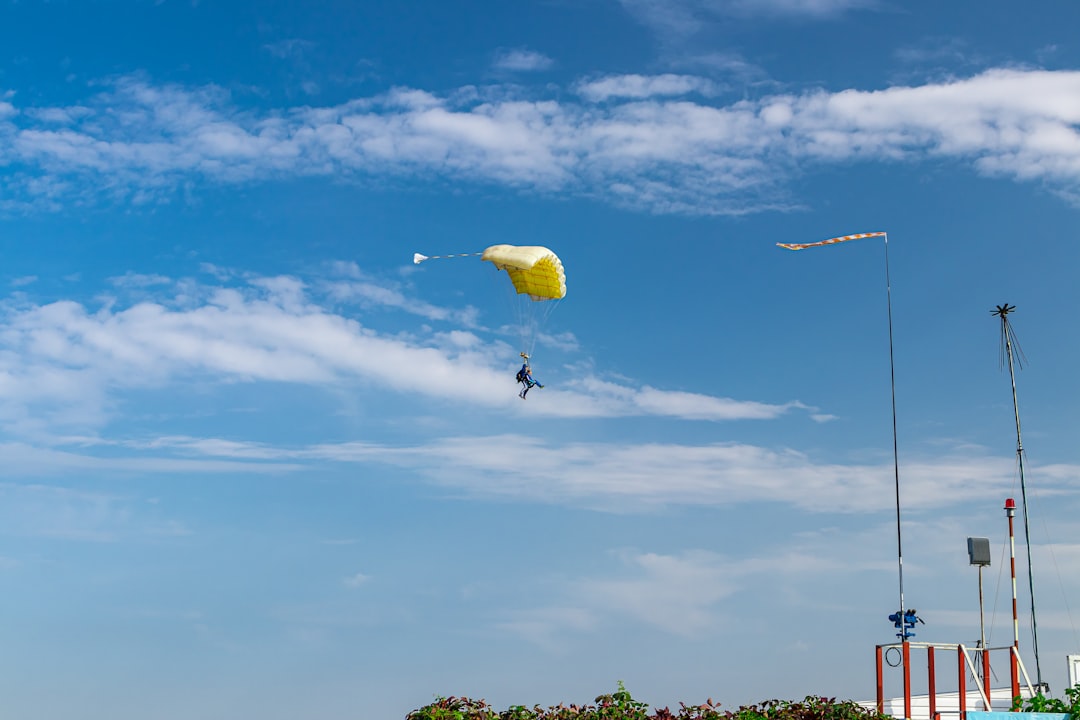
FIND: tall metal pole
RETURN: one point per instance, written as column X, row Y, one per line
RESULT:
column 1003, row 311
column 896, row 455
column 982, row 621
column 982, row 645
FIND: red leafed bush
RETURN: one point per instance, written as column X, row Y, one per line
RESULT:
column 619, row 705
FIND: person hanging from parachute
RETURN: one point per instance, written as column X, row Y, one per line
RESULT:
column 537, row 273
column 524, row 376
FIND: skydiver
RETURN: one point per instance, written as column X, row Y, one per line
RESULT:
column 524, row 376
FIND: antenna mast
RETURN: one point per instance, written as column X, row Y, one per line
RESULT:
column 1009, row 346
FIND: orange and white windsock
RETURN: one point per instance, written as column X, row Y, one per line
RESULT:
column 831, row 241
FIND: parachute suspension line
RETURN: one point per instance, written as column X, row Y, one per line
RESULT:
column 550, row 307
column 527, row 323
column 517, row 313
column 539, row 312
column 520, row 314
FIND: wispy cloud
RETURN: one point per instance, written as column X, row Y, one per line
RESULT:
column 59, row 456
column 521, row 60
column 353, row 285
column 696, row 593
column 66, row 366
column 726, row 64
column 936, row 50
column 356, row 580
column 139, row 280
column 672, row 19
column 641, row 149
column 542, row 626
column 64, row 363
column 666, row 18
column 609, row 476
column 797, row 9
column 683, row 594
column 33, row 510
column 654, row 475
column 289, row 48
column 649, row 593
column 644, row 86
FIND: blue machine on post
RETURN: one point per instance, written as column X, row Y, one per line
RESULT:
column 905, row 623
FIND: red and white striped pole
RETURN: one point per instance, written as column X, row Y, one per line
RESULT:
column 1014, row 675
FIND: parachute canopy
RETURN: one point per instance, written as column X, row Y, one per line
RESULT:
column 534, row 270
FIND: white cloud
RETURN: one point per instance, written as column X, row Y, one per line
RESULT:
column 139, row 280
column 727, row 64
column 74, row 514
column 936, row 50
column 701, row 593
column 645, row 86
column 541, row 626
column 674, row 19
column 788, row 8
column 654, row 475
column 289, row 48
column 642, row 477
column 522, row 60
column 666, row 17
column 68, row 456
column 64, row 364
column 677, row 594
column 356, row 580
column 355, row 286
column 642, row 148
column 683, row 594
column 58, row 116
column 703, row 407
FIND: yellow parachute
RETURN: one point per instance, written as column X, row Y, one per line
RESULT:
column 534, row 270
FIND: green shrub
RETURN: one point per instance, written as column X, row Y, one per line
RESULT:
column 1041, row 703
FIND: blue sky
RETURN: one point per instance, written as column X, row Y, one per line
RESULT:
column 261, row 465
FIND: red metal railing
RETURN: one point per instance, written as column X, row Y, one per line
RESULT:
column 975, row 661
